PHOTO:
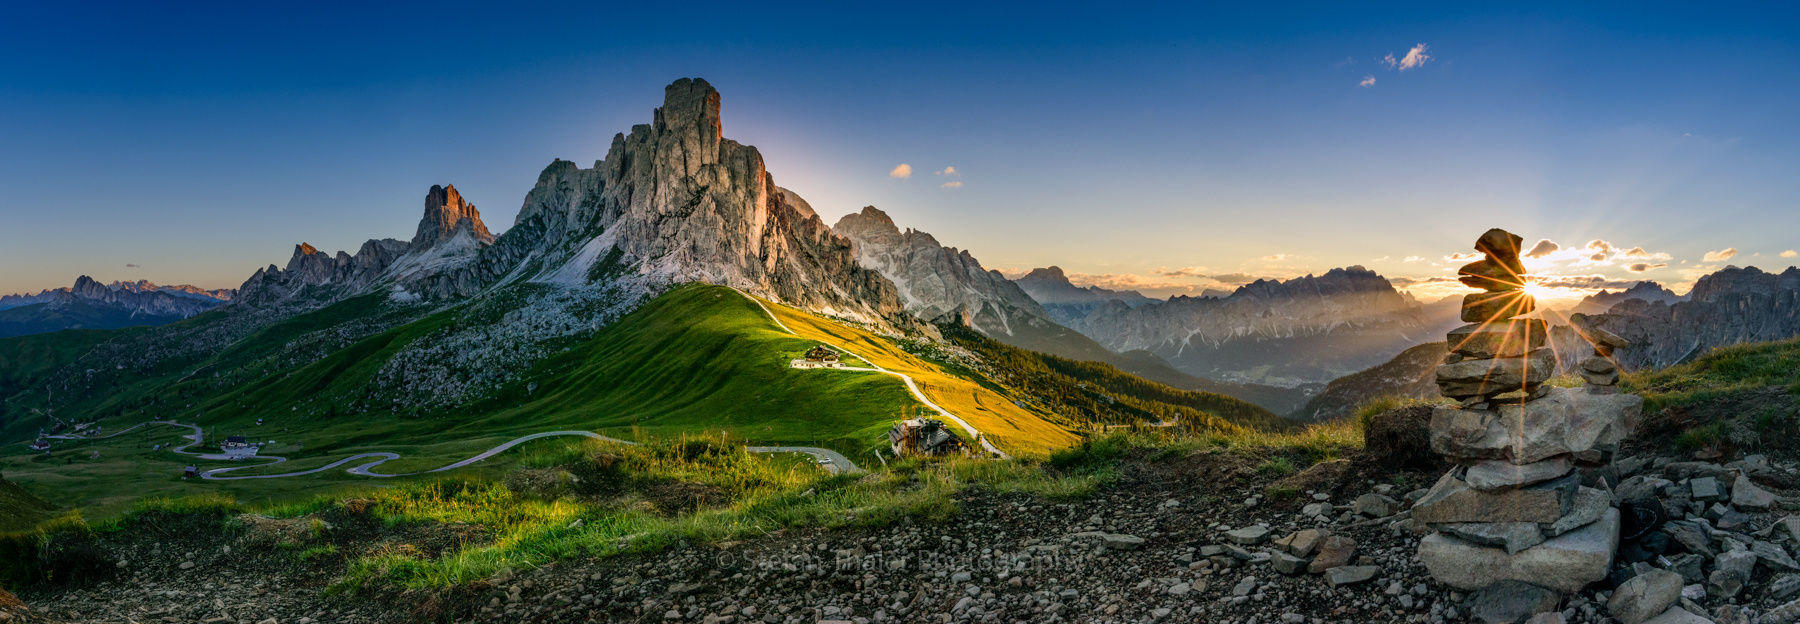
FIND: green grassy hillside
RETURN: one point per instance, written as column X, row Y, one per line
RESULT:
column 1737, row 399
column 697, row 360
column 20, row 510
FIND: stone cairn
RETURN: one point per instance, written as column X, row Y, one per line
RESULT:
column 1515, row 508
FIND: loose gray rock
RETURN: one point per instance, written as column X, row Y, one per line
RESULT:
column 1645, row 596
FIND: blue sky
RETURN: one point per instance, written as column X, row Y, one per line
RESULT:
column 1170, row 147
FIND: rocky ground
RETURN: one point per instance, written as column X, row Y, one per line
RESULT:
column 1191, row 539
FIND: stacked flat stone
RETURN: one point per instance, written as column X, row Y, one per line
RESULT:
column 1599, row 370
column 1514, row 508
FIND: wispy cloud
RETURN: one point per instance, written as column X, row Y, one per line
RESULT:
column 946, row 171
column 1544, row 247
column 1638, row 253
column 1599, row 250
column 1790, row 253
column 1720, row 255
column 1193, row 271
column 1367, row 81
column 130, row 265
column 951, row 184
column 1414, row 58
column 1641, row 267
column 903, row 171
column 1462, row 257
column 1277, row 257
column 1413, row 259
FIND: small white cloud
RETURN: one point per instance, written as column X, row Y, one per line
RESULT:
column 903, row 171
column 1412, row 259
column 951, row 184
column 1720, row 255
column 1790, row 253
column 1544, row 247
column 947, row 171
column 1390, row 61
column 1462, row 257
column 1277, row 257
column 1414, row 57
column 1367, row 81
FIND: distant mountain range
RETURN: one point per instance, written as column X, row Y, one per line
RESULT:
column 1731, row 306
column 1290, row 333
column 88, row 304
column 1605, row 299
column 1067, row 302
column 946, row 285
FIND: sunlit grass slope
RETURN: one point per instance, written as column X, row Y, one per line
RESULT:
column 1012, row 428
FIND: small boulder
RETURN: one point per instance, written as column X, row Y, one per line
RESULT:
column 1335, row 551
column 1746, row 495
column 1645, row 596
column 1250, row 535
column 1300, row 543
column 1373, row 505
column 1350, row 575
column 1510, row 602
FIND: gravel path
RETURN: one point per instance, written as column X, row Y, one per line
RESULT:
column 838, row 462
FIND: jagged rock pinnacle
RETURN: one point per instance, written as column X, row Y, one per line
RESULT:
column 445, row 212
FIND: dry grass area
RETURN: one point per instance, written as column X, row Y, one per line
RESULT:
column 1014, row 429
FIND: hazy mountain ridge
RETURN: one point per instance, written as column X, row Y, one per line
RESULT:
column 90, row 305
column 1065, row 301
column 218, row 295
column 1280, row 332
column 1644, row 290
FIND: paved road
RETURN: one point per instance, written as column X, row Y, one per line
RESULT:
column 838, row 463
column 876, row 368
column 831, row 459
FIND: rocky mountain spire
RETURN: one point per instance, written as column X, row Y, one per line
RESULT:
column 446, row 212
column 675, row 201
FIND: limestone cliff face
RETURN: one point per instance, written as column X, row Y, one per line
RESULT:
column 1730, row 306
column 938, row 282
column 673, row 201
column 446, row 216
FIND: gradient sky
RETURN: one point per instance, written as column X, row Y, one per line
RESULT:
column 1169, row 147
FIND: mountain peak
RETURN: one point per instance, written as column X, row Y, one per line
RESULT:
column 446, row 212
column 88, row 287
column 690, row 104
column 1050, row 273
column 869, row 223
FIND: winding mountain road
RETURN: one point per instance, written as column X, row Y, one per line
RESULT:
column 837, row 461
column 364, row 463
column 876, row 368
